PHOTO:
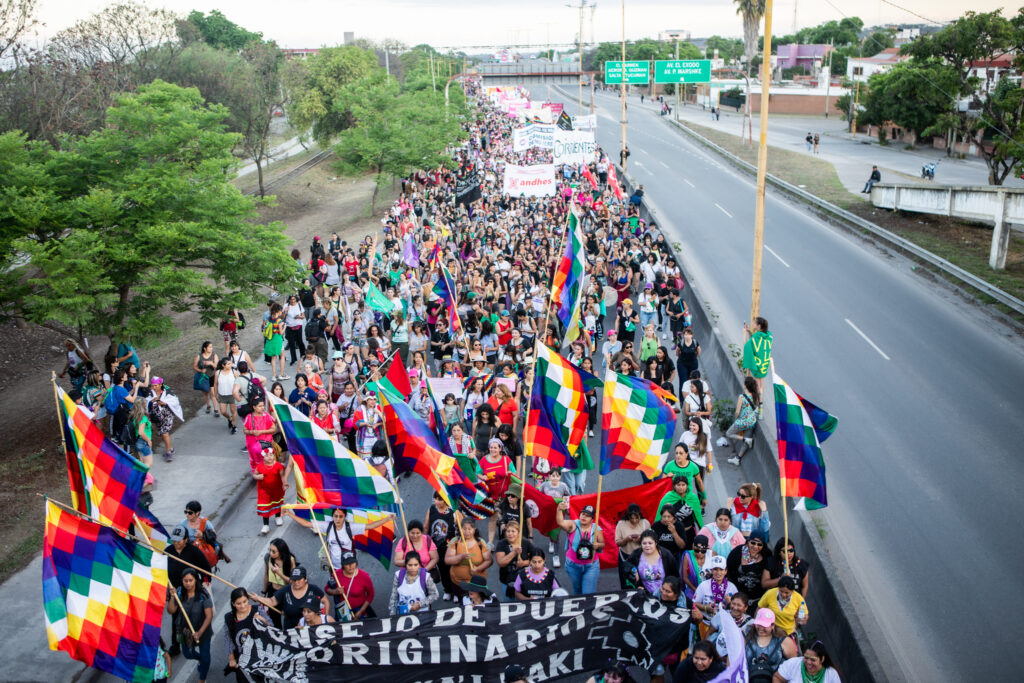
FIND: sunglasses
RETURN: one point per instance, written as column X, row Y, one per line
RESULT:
column 190, row 512
column 754, row 542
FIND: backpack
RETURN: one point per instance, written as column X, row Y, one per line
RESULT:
column 206, row 541
column 268, row 330
column 313, row 329
column 253, row 393
column 583, row 547
column 759, row 670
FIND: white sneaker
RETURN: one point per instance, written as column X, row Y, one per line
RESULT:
column 447, row 597
column 265, row 530
column 280, row 522
column 556, row 561
column 749, row 442
column 591, row 432
column 551, row 548
column 734, row 461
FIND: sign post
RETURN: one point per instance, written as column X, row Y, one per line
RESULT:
column 637, row 73
column 682, row 71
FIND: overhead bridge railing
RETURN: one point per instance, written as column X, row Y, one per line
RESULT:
column 997, row 205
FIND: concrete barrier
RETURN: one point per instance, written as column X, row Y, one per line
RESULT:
column 997, row 205
column 833, row 615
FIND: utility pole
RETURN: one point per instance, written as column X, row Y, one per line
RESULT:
column 828, row 77
column 583, row 5
column 622, row 154
column 387, row 65
column 762, row 164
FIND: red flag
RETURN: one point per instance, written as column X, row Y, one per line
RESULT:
column 398, row 377
column 613, row 180
column 589, row 176
column 613, row 506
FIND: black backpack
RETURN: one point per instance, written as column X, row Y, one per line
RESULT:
column 254, row 393
column 313, row 329
column 758, row 668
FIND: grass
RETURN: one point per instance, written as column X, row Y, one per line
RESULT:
column 813, row 175
column 38, row 471
column 963, row 244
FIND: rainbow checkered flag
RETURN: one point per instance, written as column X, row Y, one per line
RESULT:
column 377, row 542
column 801, row 426
column 103, row 596
column 638, row 424
column 567, row 283
column 556, row 423
column 105, row 481
column 330, row 471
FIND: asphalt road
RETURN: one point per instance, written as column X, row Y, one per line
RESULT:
column 925, row 387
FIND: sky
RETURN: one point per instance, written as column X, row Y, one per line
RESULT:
column 457, row 23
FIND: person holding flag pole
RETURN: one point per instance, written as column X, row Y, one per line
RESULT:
column 347, row 615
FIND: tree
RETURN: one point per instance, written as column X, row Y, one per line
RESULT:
column 17, row 17
column 316, row 87
column 752, row 12
column 149, row 222
column 264, row 95
column 393, row 132
column 218, row 31
column 980, row 38
column 729, row 49
column 911, row 94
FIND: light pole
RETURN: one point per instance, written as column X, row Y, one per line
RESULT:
column 622, row 153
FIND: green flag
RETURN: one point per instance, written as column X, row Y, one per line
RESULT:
column 376, row 300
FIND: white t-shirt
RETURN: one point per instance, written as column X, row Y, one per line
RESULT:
column 339, row 542
column 703, row 595
column 291, row 315
column 791, row 671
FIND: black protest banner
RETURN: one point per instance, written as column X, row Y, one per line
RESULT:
column 467, row 188
column 551, row 639
column 564, row 121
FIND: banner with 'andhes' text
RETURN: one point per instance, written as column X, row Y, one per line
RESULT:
column 551, row 639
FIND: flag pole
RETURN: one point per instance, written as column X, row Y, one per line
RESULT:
column 597, row 512
column 56, row 402
column 785, row 507
column 391, row 457
column 327, row 553
column 143, row 540
column 174, row 592
column 762, row 165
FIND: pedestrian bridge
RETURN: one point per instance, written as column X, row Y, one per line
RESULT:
column 533, row 72
column 1000, row 206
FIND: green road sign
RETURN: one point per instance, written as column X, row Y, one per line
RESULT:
column 637, row 73
column 682, row 71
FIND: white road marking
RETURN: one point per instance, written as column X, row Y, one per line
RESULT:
column 722, row 209
column 873, row 344
column 664, row 164
column 772, row 252
column 688, row 182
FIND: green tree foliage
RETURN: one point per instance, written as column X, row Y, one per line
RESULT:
column 393, row 132
column 218, row 31
column 996, row 104
column 317, row 85
column 839, row 33
column 137, row 220
column 729, row 49
column 911, row 94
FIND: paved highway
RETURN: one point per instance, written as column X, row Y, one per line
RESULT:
column 926, row 389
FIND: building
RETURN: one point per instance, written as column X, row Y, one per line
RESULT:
column 300, row 52
column 861, row 68
column 794, row 54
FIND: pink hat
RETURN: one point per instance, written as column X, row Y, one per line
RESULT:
column 157, row 380
column 765, row 618
column 414, row 373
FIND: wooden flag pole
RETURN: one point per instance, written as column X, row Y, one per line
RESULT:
column 181, row 607
column 391, row 457
column 785, row 510
column 762, row 166
column 462, row 535
column 143, row 540
column 597, row 512
column 56, row 401
column 327, row 552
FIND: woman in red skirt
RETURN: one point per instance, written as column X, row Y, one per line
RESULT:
column 271, row 482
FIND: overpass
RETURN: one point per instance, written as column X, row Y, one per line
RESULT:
column 997, row 205
column 529, row 72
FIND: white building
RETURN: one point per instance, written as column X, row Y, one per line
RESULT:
column 861, row 68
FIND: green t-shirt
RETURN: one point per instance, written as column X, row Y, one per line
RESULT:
column 147, row 427
column 690, row 472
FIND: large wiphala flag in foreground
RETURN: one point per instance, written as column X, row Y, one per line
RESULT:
column 801, row 427
column 103, row 596
column 567, row 283
column 377, row 542
column 105, row 481
column 556, row 423
column 330, row 472
column 638, row 424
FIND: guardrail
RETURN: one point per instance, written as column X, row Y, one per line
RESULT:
column 833, row 612
column 891, row 239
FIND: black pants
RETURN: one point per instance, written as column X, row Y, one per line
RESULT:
column 443, row 571
column 295, row 346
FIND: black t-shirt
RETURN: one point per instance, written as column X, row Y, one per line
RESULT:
column 747, row 577
column 507, row 574
column 291, row 606
column 506, row 514
column 685, row 516
column 688, row 354
column 442, row 526
column 665, row 538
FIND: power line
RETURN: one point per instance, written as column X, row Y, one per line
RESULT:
column 910, row 11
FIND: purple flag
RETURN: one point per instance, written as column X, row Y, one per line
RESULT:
column 410, row 255
column 736, row 672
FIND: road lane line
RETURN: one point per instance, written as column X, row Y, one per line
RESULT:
column 664, row 164
column 722, row 209
column 772, row 252
column 873, row 344
column 688, row 182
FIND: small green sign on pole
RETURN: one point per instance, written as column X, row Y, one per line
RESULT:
column 637, row 73
column 682, row 71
